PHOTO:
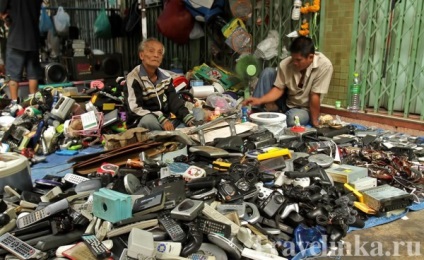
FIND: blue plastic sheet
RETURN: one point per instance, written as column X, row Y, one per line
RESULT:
column 57, row 164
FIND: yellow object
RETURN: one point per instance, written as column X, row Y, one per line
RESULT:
column 274, row 153
column 230, row 27
column 75, row 147
column 221, row 166
column 108, row 106
column 60, row 128
column 360, row 204
column 364, row 208
column 93, row 98
column 355, row 192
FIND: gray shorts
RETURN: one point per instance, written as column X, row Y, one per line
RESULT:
column 17, row 60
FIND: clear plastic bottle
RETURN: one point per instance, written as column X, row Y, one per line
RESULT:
column 354, row 97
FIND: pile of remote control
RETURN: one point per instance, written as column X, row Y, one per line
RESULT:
column 255, row 203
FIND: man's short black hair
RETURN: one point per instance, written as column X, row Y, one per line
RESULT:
column 303, row 45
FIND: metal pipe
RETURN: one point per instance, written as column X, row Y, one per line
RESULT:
column 81, row 8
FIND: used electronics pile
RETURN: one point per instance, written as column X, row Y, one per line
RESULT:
column 249, row 196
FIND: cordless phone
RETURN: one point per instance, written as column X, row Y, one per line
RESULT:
column 43, row 213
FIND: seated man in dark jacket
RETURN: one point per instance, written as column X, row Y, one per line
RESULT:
column 149, row 94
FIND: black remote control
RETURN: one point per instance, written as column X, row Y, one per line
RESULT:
column 208, row 226
column 171, row 226
column 96, row 246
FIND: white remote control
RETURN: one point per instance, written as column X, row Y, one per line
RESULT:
column 164, row 248
column 74, row 178
column 19, row 248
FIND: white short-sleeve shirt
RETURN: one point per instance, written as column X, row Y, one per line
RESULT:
column 317, row 79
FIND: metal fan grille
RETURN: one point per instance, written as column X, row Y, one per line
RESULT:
column 241, row 41
column 241, row 9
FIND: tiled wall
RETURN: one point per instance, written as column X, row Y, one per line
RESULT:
column 337, row 40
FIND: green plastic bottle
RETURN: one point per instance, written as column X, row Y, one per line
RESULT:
column 354, row 98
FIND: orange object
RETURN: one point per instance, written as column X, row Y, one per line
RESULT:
column 308, row 8
column 303, row 32
column 304, row 28
column 134, row 164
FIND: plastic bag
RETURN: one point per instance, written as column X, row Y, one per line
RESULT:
column 45, row 24
column 268, row 48
column 225, row 102
column 61, row 22
column 102, row 28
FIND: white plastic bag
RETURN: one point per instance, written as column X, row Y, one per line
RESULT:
column 61, row 22
column 268, row 48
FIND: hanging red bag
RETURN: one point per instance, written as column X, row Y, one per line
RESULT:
column 175, row 22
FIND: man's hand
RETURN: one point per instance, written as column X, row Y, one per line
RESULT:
column 190, row 123
column 168, row 126
column 252, row 101
column 5, row 18
column 314, row 108
column 315, row 123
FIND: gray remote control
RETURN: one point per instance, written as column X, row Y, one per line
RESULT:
column 19, row 248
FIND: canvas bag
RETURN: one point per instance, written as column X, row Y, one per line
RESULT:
column 131, row 136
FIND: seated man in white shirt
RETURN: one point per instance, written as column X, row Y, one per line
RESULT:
column 297, row 86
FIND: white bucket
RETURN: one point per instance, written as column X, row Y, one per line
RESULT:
column 268, row 118
column 15, row 172
column 272, row 121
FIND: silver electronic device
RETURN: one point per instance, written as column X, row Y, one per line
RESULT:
column 62, row 108
column 187, row 210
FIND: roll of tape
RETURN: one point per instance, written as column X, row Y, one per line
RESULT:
column 218, row 87
column 202, row 91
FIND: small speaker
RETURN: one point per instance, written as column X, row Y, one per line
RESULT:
column 94, row 67
column 55, row 73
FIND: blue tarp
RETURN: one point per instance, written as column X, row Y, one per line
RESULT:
column 57, row 164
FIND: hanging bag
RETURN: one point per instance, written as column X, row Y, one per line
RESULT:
column 132, row 21
column 175, row 22
column 45, row 22
column 62, row 22
column 115, row 21
column 102, row 28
